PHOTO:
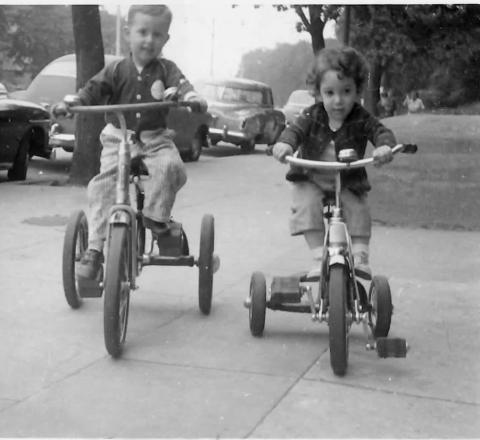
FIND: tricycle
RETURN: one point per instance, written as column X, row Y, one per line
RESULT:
column 127, row 247
column 335, row 296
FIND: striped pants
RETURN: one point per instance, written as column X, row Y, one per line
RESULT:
column 167, row 174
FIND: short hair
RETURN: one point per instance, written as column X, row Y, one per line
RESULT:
column 155, row 10
column 345, row 60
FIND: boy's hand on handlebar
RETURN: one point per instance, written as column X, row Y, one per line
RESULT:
column 62, row 109
column 171, row 94
column 382, row 155
column 198, row 105
column 59, row 110
column 281, row 150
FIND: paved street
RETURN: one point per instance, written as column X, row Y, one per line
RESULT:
column 186, row 375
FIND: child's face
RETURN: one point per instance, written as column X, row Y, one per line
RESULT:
column 147, row 34
column 338, row 94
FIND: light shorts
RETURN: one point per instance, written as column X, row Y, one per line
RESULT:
column 307, row 210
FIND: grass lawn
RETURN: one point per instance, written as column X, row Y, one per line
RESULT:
column 439, row 187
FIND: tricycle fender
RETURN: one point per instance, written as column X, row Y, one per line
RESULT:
column 122, row 214
column 336, row 259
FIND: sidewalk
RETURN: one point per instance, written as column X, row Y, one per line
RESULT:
column 186, row 375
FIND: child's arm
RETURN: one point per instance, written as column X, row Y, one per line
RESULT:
column 382, row 138
column 293, row 135
column 99, row 87
column 177, row 86
column 296, row 133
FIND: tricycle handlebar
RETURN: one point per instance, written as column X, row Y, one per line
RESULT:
column 320, row 165
column 128, row 107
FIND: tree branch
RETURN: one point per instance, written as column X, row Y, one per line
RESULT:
column 301, row 14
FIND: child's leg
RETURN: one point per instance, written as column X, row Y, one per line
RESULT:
column 101, row 189
column 359, row 222
column 167, row 175
column 307, row 218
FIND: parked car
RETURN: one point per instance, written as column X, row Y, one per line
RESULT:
column 24, row 128
column 296, row 102
column 58, row 79
column 242, row 112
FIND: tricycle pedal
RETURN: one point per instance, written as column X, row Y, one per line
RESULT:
column 285, row 290
column 89, row 288
column 391, row 347
column 174, row 242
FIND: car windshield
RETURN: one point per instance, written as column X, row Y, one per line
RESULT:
column 300, row 97
column 233, row 95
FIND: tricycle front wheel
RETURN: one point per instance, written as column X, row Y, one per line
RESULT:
column 337, row 319
column 117, row 291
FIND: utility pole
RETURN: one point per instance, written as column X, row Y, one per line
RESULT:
column 118, row 32
column 212, row 49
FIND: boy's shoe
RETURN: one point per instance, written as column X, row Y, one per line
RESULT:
column 362, row 268
column 313, row 275
column 90, row 264
column 158, row 228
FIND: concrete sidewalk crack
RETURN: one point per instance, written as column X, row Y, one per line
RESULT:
column 399, row 393
column 284, row 394
column 203, row 367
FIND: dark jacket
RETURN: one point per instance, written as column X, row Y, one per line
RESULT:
column 311, row 133
column 120, row 83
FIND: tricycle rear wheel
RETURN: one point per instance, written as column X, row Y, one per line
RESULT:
column 205, row 263
column 258, row 303
column 75, row 244
column 381, row 308
column 337, row 319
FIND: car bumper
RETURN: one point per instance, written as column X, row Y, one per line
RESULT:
column 232, row 136
column 62, row 140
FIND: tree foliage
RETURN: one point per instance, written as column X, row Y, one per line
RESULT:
column 434, row 47
column 284, row 68
column 33, row 35
column 313, row 18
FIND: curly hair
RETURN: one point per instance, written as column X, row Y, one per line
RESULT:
column 346, row 60
column 154, row 10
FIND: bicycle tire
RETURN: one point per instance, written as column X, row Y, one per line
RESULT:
column 117, row 291
column 75, row 244
column 337, row 319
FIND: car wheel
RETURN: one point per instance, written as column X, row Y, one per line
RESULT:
column 20, row 164
column 247, row 146
column 196, row 149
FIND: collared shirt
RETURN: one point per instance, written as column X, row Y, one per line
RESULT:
column 312, row 132
column 121, row 83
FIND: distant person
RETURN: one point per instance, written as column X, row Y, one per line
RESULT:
column 386, row 106
column 3, row 92
column 336, row 122
column 413, row 103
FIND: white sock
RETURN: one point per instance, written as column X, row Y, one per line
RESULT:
column 360, row 247
column 317, row 253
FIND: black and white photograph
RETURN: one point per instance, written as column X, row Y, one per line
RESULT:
column 239, row 219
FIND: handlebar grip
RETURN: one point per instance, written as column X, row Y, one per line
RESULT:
column 409, row 148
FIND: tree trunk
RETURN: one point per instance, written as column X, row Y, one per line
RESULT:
column 316, row 28
column 90, row 60
column 372, row 94
column 346, row 25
